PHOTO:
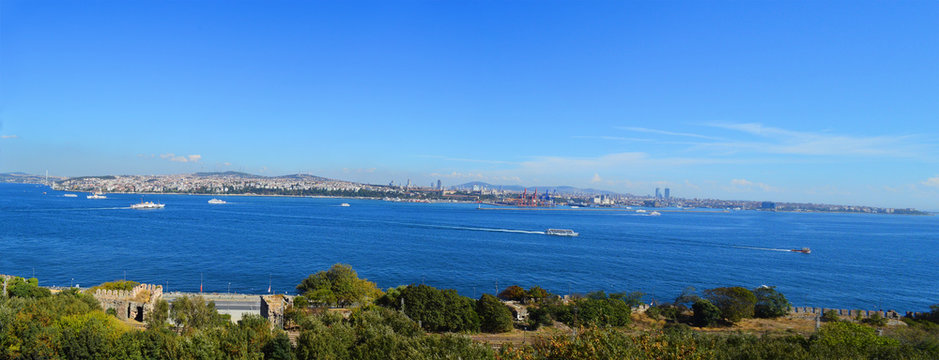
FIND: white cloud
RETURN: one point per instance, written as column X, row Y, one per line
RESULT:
column 596, row 178
column 9, row 136
column 933, row 181
column 181, row 158
column 747, row 185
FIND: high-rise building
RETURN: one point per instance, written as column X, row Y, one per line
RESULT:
column 439, row 185
column 667, row 195
column 658, row 193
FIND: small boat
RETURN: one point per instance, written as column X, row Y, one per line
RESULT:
column 345, row 205
column 802, row 250
column 70, row 195
column 147, row 206
column 561, row 232
column 641, row 211
column 655, row 213
column 217, row 201
column 96, row 195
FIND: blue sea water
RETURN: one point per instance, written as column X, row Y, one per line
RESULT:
column 857, row 261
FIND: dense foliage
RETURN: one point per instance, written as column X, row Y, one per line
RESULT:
column 494, row 316
column 736, row 303
column 71, row 325
column 770, row 303
column 340, row 285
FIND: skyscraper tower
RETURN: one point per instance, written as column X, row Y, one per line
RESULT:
column 439, row 185
column 667, row 195
column 658, row 193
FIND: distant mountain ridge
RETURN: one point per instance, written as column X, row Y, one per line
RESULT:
column 563, row 189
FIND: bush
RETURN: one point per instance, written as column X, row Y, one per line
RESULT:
column 339, row 285
column 736, row 303
column 770, row 303
column 494, row 317
column 439, row 310
column 830, row 316
column 538, row 317
column 875, row 320
column 705, row 313
column 513, row 292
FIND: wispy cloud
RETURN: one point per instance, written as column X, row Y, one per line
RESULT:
column 482, row 161
column 478, row 176
column 9, row 136
column 612, row 138
column 933, row 182
column 747, row 185
column 181, row 158
column 664, row 132
column 782, row 141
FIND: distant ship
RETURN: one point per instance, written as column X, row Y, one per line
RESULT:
column 345, row 205
column 561, row 232
column 147, row 206
column 217, row 201
column 802, row 250
column 655, row 213
column 97, row 195
column 70, row 195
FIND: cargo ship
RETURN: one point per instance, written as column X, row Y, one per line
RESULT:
column 802, row 250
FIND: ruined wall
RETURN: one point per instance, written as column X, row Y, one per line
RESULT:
column 845, row 314
column 134, row 304
column 273, row 308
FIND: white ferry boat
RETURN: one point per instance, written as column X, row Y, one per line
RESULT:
column 345, row 205
column 96, row 195
column 561, row 232
column 217, row 201
column 147, row 205
column 655, row 213
column 70, row 195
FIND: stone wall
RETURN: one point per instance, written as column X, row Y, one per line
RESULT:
column 133, row 304
column 273, row 308
column 846, row 314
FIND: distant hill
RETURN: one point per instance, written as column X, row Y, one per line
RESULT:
column 566, row 190
column 227, row 173
column 304, row 177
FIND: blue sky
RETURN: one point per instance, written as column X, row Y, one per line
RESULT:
column 789, row 101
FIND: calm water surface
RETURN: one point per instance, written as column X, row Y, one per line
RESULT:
column 857, row 261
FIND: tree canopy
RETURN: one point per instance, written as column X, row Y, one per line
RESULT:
column 769, row 302
column 340, row 285
column 736, row 303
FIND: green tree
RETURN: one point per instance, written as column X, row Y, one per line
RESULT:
column 494, row 316
column 830, row 316
column 28, row 288
column 736, row 303
column 439, row 310
column 770, row 303
column 191, row 313
column 157, row 317
column 705, row 313
column 339, row 285
column 513, row 292
column 537, row 293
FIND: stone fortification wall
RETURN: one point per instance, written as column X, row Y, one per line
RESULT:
column 273, row 308
column 133, row 304
column 847, row 314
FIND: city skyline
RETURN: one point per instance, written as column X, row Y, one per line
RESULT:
column 799, row 102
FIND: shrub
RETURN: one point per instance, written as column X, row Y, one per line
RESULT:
column 513, row 292
column 494, row 317
column 736, row 303
column 830, row 316
column 770, row 303
column 705, row 313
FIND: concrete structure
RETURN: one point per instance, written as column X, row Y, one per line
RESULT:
column 134, row 304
